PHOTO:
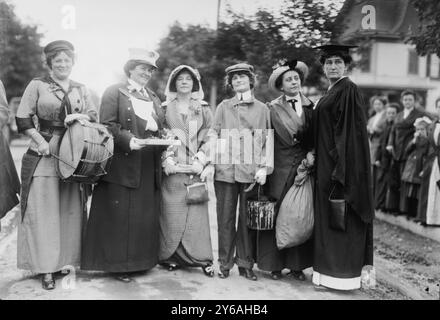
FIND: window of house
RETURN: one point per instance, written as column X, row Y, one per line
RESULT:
column 433, row 66
column 413, row 62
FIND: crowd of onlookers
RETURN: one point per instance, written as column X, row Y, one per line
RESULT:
column 405, row 150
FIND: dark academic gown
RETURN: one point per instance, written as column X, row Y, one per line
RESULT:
column 342, row 159
column 123, row 227
column 382, row 176
column 292, row 141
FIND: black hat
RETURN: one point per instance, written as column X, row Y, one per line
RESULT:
column 333, row 48
column 58, row 45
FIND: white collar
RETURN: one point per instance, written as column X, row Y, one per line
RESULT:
column 136, row 85
column 289, row 98
column 247, row 95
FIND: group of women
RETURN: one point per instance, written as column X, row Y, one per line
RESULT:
column 140, row 214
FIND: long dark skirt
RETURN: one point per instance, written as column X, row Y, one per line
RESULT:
column 269, row 258
column 123, row 228
column 341, row 254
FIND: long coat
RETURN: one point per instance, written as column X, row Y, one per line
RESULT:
column 182, row 224
column 402, row 132
column 342, row 162
column 123, row 228
column 293, row 138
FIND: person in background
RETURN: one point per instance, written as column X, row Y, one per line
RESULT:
column 122, row 234
column 384, row 186
column 245, row 114
column 428, row 211
column 9, row 182
column 291, row 119
column 185, row 237
column 416, row 152
column 343, row 244
column 375, row 126
column 402, row 133
column 50, row 228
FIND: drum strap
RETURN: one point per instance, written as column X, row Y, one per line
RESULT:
column 66, row 106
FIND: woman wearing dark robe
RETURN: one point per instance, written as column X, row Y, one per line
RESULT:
column 291, row 117
column 383, row 161
column 9, row 182
column 342, row 171
column 123, row 229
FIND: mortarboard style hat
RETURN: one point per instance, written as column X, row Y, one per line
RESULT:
column 58, row 45
column 334, row 47
column 240, row 67
column 285, row 66
column 144, row 55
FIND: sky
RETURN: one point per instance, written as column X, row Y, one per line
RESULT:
column 103, row 30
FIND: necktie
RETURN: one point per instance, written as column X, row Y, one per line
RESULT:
column 292, row 102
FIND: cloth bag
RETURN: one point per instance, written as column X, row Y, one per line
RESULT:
column 295, row 221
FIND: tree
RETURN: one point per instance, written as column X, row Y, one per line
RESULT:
column 260, row 39
column 20, row 52
column 427, row 37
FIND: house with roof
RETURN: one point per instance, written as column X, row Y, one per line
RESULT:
column 388, row 65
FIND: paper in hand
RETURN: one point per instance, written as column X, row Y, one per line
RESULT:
column 143, row 109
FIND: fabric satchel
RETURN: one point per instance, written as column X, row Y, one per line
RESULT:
column 197, row 193
column 338, row 213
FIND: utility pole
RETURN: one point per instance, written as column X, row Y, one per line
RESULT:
column 214, row 84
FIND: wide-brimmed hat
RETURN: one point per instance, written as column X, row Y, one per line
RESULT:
column 423, row 120
column 148, row 56
column 285, row 66
column 58, row 45
column 170, row 95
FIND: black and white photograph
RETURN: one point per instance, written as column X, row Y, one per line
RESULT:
column 219, row 154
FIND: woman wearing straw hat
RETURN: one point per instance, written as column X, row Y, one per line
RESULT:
column 185, row 238
column 291, row 118
column 123, row 229
column 49, row 234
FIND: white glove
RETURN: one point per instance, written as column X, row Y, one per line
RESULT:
column 260, row 176
column 135, row 144
column 151, row 124
column 197, row 167
column 169, row 166
column 207, row 173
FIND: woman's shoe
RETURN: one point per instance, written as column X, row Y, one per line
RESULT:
column 208, row 270
column 276, row 275
column 47, row 281
column 124, row 277
column 248, row 273
column 223, row 274
column 298, row 275
column 172, row 267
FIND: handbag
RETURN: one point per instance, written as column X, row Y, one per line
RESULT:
column 260, row 211
column 338, row 212
column 197, row 193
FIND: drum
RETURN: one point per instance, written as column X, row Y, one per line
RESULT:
column 85, row 152
column 261, row 213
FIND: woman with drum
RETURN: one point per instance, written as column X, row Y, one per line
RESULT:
column 291, row 119
column 49, row 232
column 185, row 238
column 123, row 229
column 244, row 122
